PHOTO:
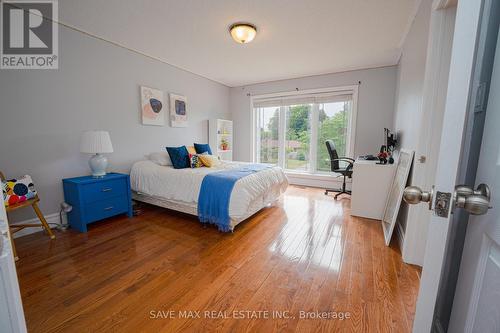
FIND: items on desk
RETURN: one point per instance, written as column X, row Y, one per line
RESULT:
column 390, row 144
column 382, row 156
column 368, row 158
column 385, row 156
column 390, row 140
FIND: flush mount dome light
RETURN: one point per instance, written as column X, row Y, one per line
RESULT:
column 243, row 32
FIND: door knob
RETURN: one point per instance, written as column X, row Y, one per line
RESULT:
column 475, row 202
column 465, row 191
column 413, row 195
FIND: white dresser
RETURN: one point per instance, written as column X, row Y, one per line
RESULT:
column 371, row 183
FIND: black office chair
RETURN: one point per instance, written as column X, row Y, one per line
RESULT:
column 345, row 171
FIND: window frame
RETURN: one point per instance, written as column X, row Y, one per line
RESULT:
column 351, row 128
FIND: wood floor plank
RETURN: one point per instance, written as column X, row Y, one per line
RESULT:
column 306, row 256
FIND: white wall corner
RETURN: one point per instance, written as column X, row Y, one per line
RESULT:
column 407, row 29
column 52, row 220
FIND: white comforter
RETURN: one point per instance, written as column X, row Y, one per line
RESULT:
column 249, row 194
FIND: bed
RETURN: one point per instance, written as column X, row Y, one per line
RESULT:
column 179, row 189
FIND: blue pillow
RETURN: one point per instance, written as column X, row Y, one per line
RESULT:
column 202, row 148
column 179, row 157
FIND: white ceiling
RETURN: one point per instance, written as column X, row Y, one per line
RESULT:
column 294, row 38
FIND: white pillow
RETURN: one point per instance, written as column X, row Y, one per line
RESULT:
column 160, row 158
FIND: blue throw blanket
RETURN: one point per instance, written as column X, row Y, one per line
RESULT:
column 215, row 194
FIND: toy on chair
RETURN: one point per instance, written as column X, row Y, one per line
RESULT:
column 19, row 193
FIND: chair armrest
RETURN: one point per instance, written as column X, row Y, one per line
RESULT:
column 345, row 159
column 348, row 160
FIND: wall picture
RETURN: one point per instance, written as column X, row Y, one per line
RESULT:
column 152, row 107
column 178, row 111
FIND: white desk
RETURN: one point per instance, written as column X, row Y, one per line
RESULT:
column 371, row 183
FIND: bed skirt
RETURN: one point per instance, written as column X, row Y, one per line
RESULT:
column 192, row 209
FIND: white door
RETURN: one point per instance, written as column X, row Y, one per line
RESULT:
column 476, row 306
column 476, row 303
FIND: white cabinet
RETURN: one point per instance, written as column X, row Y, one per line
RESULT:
column 371, row 183
column 220, row 133
column 11, row 308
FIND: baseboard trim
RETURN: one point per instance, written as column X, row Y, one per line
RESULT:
column 321, row 181
column 52, row 220
column 401, row 236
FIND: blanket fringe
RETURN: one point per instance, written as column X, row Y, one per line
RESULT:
column 221, row 227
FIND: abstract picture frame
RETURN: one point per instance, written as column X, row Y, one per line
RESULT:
column 152, row 106
column 178, row 111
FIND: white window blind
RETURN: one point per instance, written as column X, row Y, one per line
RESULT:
column 319, row 98
column 291, row 127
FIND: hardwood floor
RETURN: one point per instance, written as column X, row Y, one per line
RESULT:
column 305, row 254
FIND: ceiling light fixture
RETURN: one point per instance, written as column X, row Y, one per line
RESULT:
column 243, row 32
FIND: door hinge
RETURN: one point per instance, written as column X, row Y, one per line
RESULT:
column 480, row 101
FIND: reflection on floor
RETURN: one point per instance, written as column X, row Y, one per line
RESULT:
column 303, row 265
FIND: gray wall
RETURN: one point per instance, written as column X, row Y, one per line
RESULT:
column 375, row 105
column 411, row 70
column 44, row 112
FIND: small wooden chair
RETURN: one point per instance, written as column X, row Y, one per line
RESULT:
column 17, row 227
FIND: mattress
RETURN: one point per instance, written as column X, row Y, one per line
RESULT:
column 249, row 194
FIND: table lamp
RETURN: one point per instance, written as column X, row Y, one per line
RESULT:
column 98, row 143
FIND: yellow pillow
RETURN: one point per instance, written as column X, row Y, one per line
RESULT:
column 191, row 150
column 209, row 160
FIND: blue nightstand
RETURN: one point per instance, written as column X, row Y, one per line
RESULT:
column 94, row 199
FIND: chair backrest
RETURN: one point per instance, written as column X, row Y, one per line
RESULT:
column 334, row 163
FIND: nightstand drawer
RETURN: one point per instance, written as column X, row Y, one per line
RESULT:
column 103, row 190
column 106, row 208
column 94, row 199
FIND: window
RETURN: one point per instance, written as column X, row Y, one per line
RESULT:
column 267, row 134
column 291, row 129
column 333, row 124
column 297, row 137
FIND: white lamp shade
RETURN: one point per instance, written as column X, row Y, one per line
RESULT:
column 96, row 142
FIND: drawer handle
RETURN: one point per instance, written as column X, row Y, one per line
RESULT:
column 109, row 208
column 106, row 189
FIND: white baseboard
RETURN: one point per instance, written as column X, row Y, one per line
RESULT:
column 52, row 220
column 401, row 236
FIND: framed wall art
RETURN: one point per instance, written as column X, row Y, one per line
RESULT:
column 152, row 106
column 178, row 111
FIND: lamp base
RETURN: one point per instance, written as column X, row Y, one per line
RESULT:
column 98, row 164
